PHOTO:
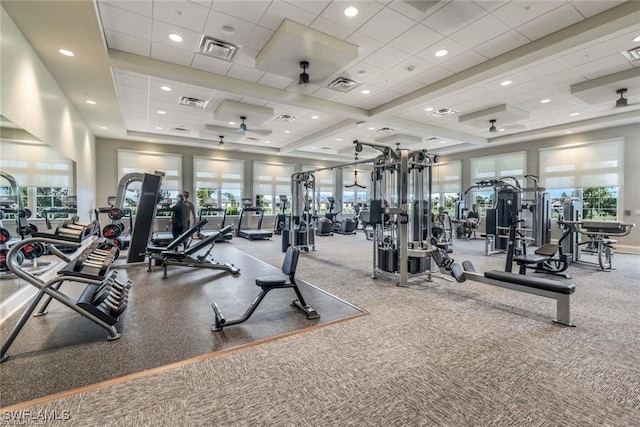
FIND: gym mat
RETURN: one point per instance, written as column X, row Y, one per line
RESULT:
column 167, row 321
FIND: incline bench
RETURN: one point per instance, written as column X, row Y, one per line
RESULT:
column 198, row 255
column 155, row 252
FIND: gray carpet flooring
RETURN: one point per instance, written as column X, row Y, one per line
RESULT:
column 438, row 353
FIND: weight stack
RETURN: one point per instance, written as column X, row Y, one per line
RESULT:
column 388, row 259
column 418, row 264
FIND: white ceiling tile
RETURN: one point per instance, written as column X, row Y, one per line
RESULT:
column 171, row 54
column 128, row 78
column 279, row 10
column 326, row 93
column 181, row 14
column 366, row 45
column 591, row 8
column 253, row 101
column 407, row 86
column 245, row 73
column 259, row 37
column 480, row 31
column 604, row 66
column 454, row 48
column 517, row 13
column 331, row 28
column 334, row 12
column 314, row 6
column 139, row 7
column 306, row 89
column 416, row 39
column 251, row 10
column 362, row 72
column 204, row 3
column 217, row 20
column 385, row 79
column 432, row 75
column 419, row 10
column 541, row 69
column 246, row 57
column 386, row 25
column 489, row 5
column 462, row 62
column 454, row 16
column 161, row 31
column 386, row 57
column 125, row 22
column 212, row 65
column 550, row 22
column 276, row 81
column 127, row 43
column 501, row 44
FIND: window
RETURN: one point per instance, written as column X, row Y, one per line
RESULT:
column 592, row 172
column 325, row 186
column 45, row 178
column 495, row 167
column 147, row 162
column 220, row 180
column 356, row 195
column 269, row 181
column 446, row 186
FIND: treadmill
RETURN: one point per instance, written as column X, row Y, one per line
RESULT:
column 252, row 233
column 208, row 212
column 162, row 220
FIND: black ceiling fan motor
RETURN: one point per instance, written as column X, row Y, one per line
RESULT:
column 493, row 126
column 304, row 77
column 622, row 101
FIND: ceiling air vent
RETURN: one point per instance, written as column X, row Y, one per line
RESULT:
column 217, row 48
column 384, row 130
column 284, row 118
column 444, row 112
column 343, row 84
column 632, row 54
column 180, row 130
column 192, row 102
column 251, row 139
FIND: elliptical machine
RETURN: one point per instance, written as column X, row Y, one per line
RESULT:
column 345, row 225
column 282, row 219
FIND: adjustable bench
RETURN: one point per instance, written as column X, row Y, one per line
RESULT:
column 155, row 252
column 198, row 255
column 547, row 288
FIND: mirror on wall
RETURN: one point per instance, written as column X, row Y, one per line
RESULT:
column 35, row 179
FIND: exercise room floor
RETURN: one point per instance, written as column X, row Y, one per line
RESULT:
column 167, row 321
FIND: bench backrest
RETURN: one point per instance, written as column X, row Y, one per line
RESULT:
column 209, row 240
column 290, row 262
column 184, row 236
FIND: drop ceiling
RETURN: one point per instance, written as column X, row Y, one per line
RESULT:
column 546, row 49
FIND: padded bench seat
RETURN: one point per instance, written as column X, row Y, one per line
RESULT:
column 530, row 258
column 532, row 282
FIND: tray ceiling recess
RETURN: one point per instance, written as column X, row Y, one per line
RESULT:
column 503, row 114
column 293, row 42
column 603, row 89
column 231, row 111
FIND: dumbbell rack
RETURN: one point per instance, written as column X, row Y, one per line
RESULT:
column 103, row 298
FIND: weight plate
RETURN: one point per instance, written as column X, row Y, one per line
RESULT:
column 115, row 213
column 5, row 235
column 111, row 231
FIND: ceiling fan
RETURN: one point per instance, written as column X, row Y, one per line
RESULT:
column 221, row 142
column 622, row 101
column 242, row 129
column 493, row 126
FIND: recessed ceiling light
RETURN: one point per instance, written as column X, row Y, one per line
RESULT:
column 314, row 148
column 372, row 128
column 506, row 83
column 104, row 127
column 267, row 142
column 351, row 11
column 165, row 88
column 569, row 131
column 500, row 129
column 636, row 39
column 66, row 52
column 162, row 112
column 338, row 139
column 428, row 109
column 365, row 92
column 443, row 142
column 228, row 29
column 544, row 101
column 441, row 52
column 315, row 117
column 287, row 131
column 91, row 101
column 363, row 72
column 175, row 37
column 574, row 114
column 150, row 140
column 158, row 128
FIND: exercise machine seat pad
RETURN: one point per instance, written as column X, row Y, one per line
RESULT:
column 548, row 250
column 530, row 258
column 532, row 282
column 270, row 281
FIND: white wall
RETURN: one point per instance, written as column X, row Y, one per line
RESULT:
column 31, row 98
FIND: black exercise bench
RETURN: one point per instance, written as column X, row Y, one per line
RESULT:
column 547, row 288
column 266, row 284
column 155, row 252
column 198, row 255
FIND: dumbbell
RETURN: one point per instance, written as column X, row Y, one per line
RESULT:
column 115, row 309
column 33, row 250
column 27, row 230
column 112, row 231
column 5, row 236
column 69, row 232
column 3, row 259
column 110, row 287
